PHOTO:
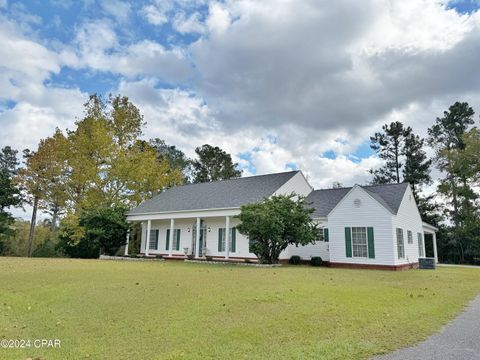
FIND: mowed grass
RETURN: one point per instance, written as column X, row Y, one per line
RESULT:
column 174, row 310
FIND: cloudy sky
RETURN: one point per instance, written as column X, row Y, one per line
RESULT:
column 279, row 84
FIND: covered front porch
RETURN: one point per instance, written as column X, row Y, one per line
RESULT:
column 429, row 236
column 195, row 235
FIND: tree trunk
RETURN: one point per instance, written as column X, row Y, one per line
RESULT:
column 32, row 225
column 55, row 212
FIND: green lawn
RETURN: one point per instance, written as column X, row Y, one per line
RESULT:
column 172, row 310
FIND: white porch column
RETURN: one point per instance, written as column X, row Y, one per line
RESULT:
column 435, row 254
column 227, row 237
column 128, row 240
column 147, row 240
column 197, row 243
column 424, row 246
column 172, row 225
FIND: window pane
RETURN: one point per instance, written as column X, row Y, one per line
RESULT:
column 400, row 244
column 410, row 237
column 320, row 234
column 420, row 245
column 359, row 242
column 153, row 241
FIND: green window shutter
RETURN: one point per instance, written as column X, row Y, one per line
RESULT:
column 178, row 239
column 167, row 240
column 325, row 234
column 220, row 233
column 233, row 237
column 348, row 242
column 371, row 243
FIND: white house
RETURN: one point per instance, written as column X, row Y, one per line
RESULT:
column 363, row 226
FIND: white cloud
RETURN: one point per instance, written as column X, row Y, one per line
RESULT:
column 98, row 48
column 184, row 119
column 188, row 24
column 341, row 67
column 218, row 19
column 120, row 10
column 36, row 108
column 281, row 81
column 154, row 15
column 35, row 67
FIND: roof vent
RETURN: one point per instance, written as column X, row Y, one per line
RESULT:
column 357, row 203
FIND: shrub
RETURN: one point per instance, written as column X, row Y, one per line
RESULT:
column 295, row 260
column 248, row 261
column 209, row 258
column 316, row 261
column 99, row 230
column 158, row 256
column 274, row 224
column 46, row 249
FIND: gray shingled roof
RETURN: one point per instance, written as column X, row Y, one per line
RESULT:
column 323, row 201
column 215, row 195
column 389, row 195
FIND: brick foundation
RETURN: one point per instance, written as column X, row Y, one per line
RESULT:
column 374, row 266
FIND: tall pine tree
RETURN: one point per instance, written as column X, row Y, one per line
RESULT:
column 9, row 193
column 389, row 146
column 447, row 137
column 213, row 164
column 405, row 161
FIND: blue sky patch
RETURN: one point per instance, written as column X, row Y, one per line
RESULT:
column 464, row 6
column 330, row 154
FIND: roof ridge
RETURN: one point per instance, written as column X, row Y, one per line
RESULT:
column 339, row 188
column 232, row 179
column 393, row 184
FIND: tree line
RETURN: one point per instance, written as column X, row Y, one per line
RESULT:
column 454, row 142
column 86, row 178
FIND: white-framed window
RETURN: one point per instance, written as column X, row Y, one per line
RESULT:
column 176, row 239
column 153, row 241
column 409, row 237
column 232, row 243
column 359, row 242
column 400, row 244
column 320, row 234
column 421, row 253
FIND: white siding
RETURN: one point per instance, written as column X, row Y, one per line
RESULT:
column 297, row 184
column 214, row 223
column 320, row 248
column 408, row 218
column 370, row 213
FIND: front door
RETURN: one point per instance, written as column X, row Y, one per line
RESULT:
column 203, row 237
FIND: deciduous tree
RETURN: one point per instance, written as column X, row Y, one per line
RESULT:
column 104, row 231
column 275, row 223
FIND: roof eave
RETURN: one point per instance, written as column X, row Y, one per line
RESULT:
column 180, row 211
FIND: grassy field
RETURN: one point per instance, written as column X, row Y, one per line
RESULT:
column 174, row 310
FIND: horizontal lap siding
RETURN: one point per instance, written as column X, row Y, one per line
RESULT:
column 186, row 237
column 297, row 184
column 320, row 248
column 408, row 218
column 369, row 214
column 162, row 226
